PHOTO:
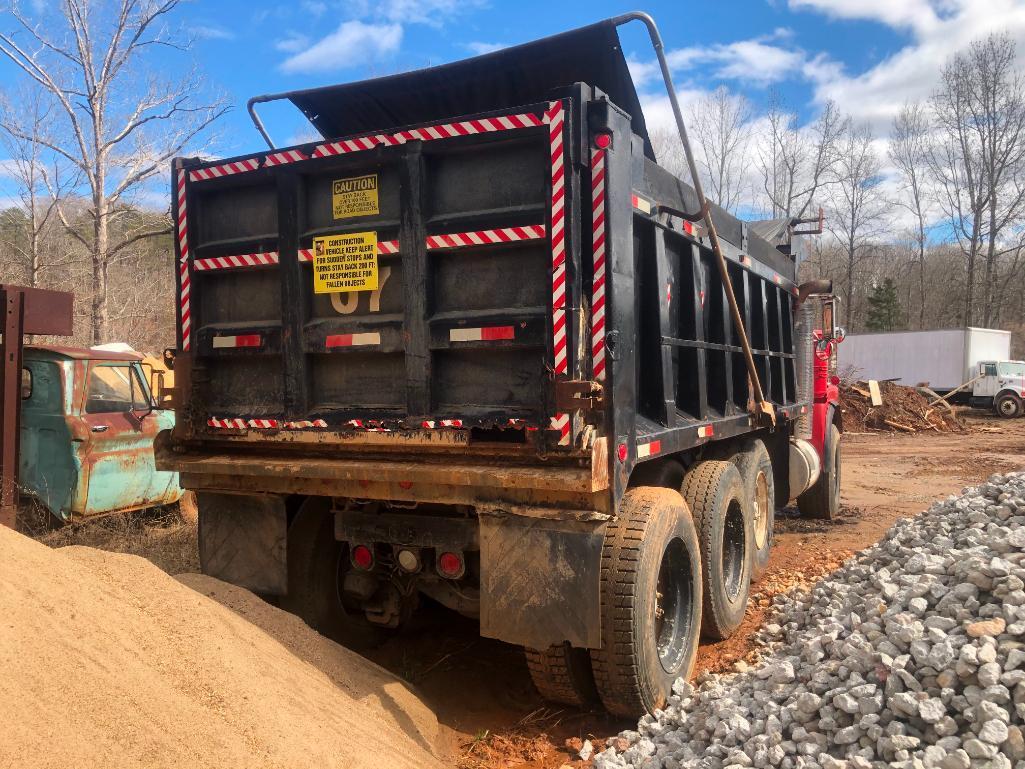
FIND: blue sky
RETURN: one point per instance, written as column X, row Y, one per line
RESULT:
column 248, row 48
column 869, row 56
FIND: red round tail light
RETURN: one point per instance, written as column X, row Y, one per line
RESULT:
column 603, row 141
column 450, row 565
column 363, row 557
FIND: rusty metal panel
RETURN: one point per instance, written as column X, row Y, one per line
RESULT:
column 11, row 324
column 46, row 312
column 539, row 581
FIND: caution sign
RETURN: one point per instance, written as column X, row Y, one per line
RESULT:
column 345, row 263
column 355, row 196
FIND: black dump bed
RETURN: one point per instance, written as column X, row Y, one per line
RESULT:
column 459, row 264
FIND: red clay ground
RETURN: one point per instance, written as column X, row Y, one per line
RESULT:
column 492, row 718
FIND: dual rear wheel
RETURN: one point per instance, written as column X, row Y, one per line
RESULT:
column 676, row 565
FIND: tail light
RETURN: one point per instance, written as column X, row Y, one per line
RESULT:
column 451, row 565
column 362, row 557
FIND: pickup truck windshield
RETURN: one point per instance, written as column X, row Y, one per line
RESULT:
column 115, row 389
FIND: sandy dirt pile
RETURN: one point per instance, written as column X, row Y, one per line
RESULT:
column 107, row 661
column 904, row 409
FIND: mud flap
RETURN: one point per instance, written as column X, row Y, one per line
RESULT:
column 540, row 580
column 242, row 540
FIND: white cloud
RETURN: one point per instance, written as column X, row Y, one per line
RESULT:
column 479, row 48
column 938, row 28
column 353, row 43
column 642, row 72
column 913, row 14
column 212, row 32
column 8, row 168
column 315, row 8
column 756, row 61
column 293, row 42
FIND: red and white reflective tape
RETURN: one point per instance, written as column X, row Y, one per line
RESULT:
column 284, row 158
column 429, row 133
column 305, row 423
column 385, row 247
column 225, row 169
column 431, row 424
column 486, row 237
column 649, row 449
column 485, row 334
column 183, row 265
column 231, row 424
column 555, row 118
column 639, row 203
column 242, row 424
column 237, row 260
column 706, row 431
column 352, row 340
column 598, row 260
column 238, row 340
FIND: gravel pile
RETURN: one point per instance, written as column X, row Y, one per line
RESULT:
column 911, row 655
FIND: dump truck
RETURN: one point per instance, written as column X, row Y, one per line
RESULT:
column 477, row 345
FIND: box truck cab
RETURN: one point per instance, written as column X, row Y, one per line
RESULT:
column 1000, row 385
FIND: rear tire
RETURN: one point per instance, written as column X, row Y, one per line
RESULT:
column 715, row 493
column 317, row 563
column 562, row 674
column 822, row 500
column 1008, row 406
column 755, row 468
column 650, row 602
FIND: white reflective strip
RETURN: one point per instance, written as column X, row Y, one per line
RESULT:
column 223, row 341
column 373, row 337
column 464, row 335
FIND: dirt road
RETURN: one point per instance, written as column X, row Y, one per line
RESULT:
column 490, row 715
column 482, row 693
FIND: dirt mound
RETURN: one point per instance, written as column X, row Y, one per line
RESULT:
column 110, row 662
column 904, row 409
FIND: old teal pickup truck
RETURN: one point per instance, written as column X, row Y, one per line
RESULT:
column 88, row 421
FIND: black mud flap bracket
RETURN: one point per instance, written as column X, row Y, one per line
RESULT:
column 540, row 578
column 243, row 540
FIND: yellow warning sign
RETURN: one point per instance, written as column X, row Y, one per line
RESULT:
column 345, row 262
column 355, row 196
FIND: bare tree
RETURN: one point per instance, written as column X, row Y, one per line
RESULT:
column 35, row 180
column 796, row 163
column 115, row 122
column 909, row 152
column 721, row 126
column 857, row 207
column 978, row 164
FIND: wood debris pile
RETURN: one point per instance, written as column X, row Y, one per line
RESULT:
column 901, row 409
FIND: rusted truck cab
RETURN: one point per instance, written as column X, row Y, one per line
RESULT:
column 87, row 428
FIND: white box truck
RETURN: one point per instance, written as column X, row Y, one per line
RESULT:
column 944, row 360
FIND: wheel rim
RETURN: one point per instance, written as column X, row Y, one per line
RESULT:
column 674, row 606
column 1008, row 407
column 734, row 550
column 761, row 511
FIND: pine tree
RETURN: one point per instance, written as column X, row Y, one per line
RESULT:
column 884, row 312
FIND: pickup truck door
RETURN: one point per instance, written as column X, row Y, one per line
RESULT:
column 118, row 469
column 47, row 469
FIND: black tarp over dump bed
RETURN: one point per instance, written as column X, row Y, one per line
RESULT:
column 503, row 79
